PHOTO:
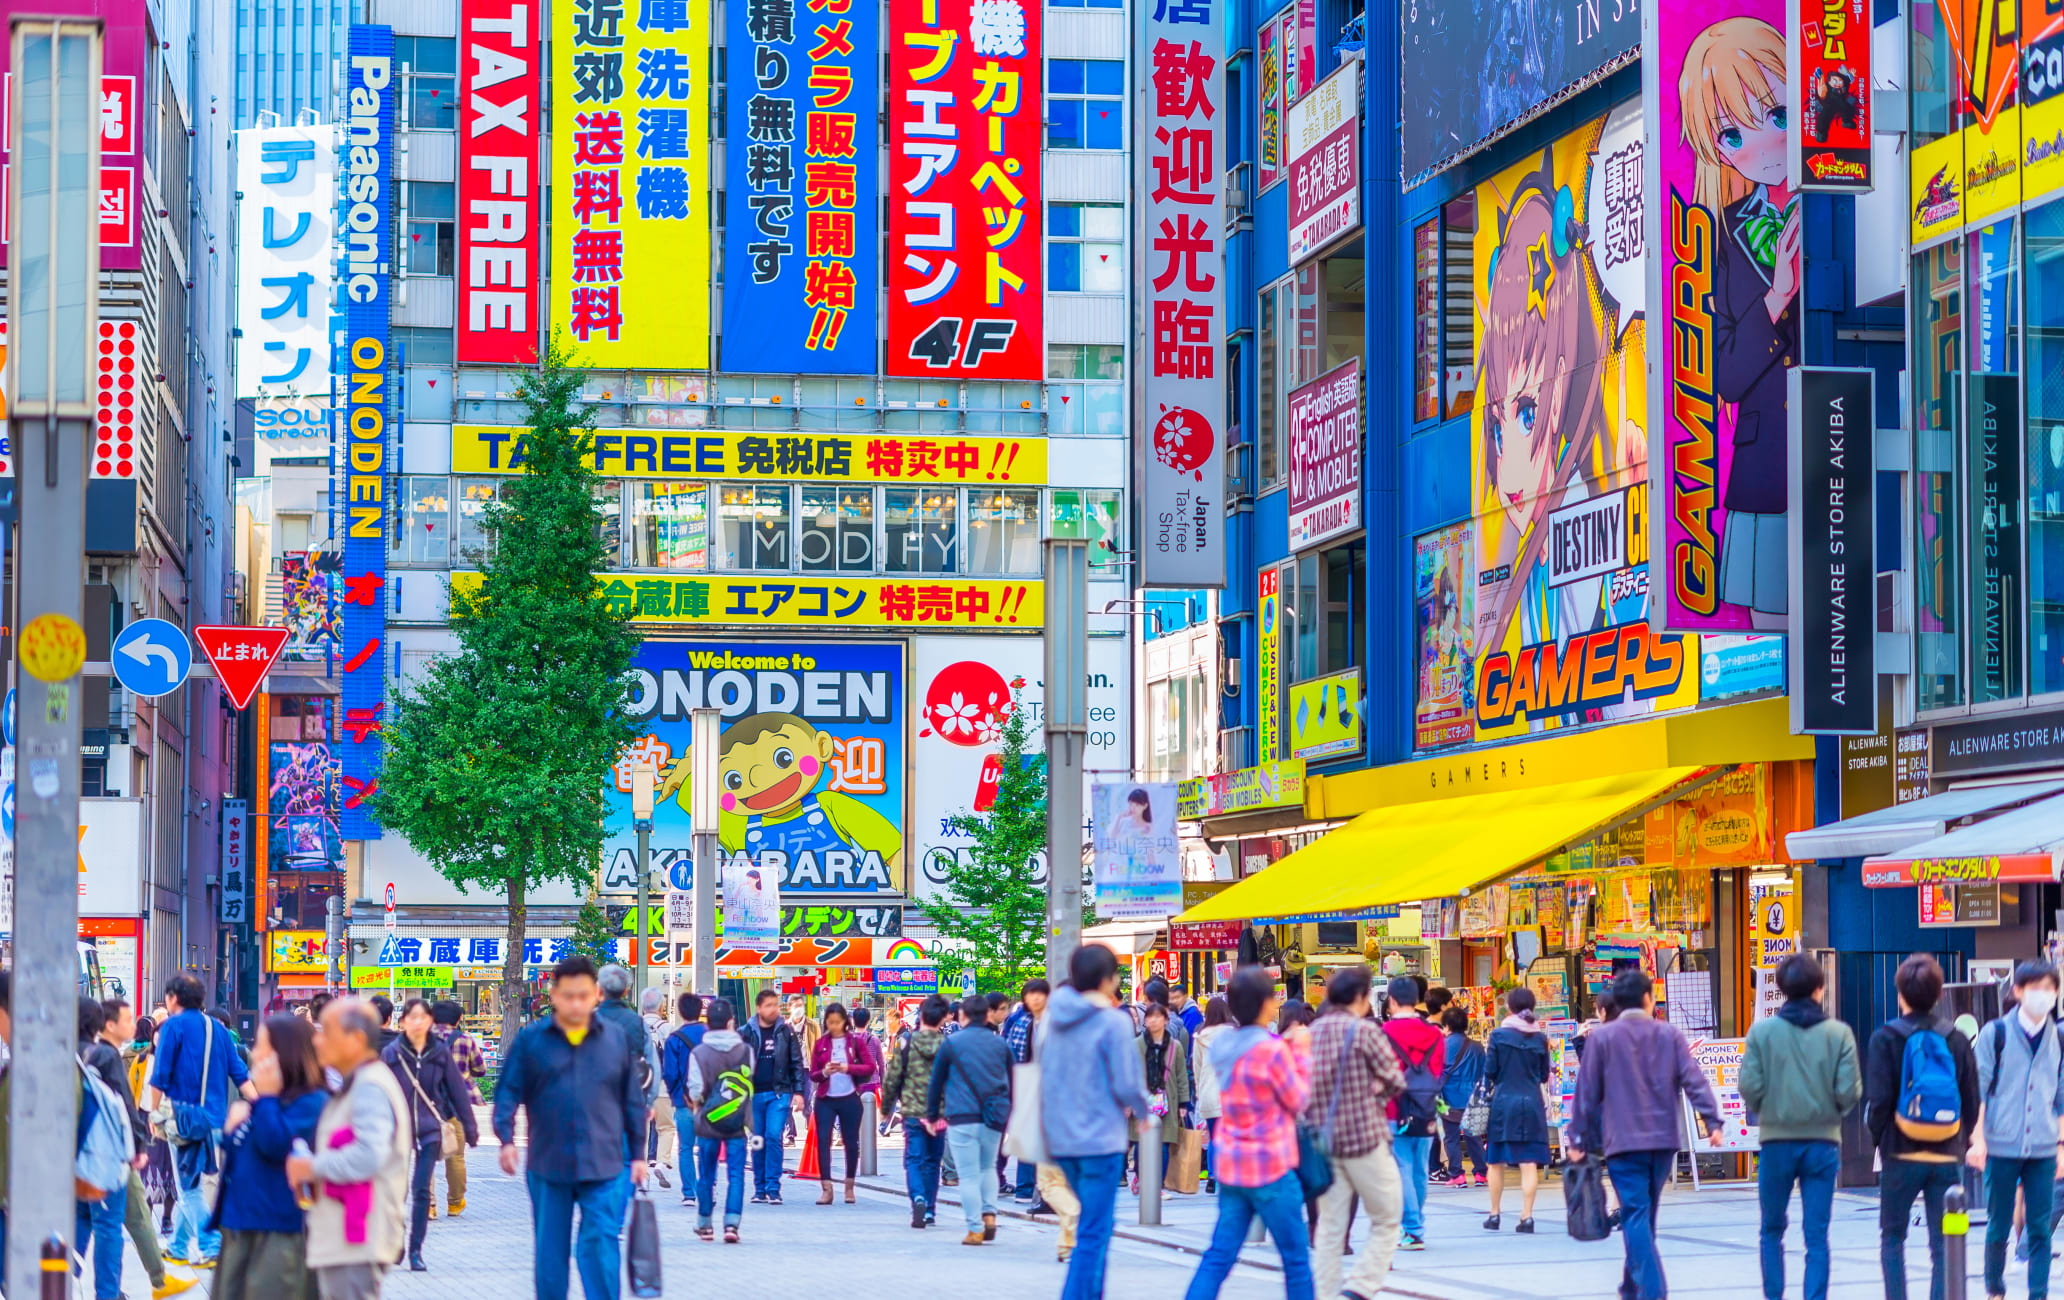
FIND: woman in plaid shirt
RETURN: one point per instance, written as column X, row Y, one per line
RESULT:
column 1263, row 1085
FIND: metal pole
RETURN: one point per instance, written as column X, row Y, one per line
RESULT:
column 1956, row 1227
column 54, row 256
column 1150, row 1172
column 642, row 931
column 703, row 818
column 870, row 1154
column 333, row 940
column 1067, row 722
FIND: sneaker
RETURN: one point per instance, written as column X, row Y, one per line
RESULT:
column 730, row 1234
column 1409, row 1242
column 759, row 1198
column 917, row 1214
column 1481, row 1181
column 173, row 1286
column 1438, row 1178
column 774, row 1198
column 456, row 1208
column 658, row 1171
column 433, row 1211
column 704, row 1232
column 1041, row 1207
column 201, row 1263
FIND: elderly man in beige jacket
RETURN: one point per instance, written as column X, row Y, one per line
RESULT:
column 357, row 1226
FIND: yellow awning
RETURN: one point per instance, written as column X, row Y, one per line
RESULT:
column 1436, row 848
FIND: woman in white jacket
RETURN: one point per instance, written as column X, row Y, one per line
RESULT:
column 1217, row 1019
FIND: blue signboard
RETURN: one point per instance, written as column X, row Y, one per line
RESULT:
column 908, row 981
column 1739, row 665
column 365, row 219
column 152, row 658
column 801, row 253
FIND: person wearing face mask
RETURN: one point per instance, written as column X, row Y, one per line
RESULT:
column 2021, row 1084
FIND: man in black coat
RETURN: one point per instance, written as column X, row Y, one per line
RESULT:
column 777, row 1076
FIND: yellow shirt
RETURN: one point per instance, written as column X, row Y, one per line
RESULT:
column 575, row 1036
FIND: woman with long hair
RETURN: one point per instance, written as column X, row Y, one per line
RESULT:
column 1168, row 1082
column 259, row 1215
column 436, row 1089
column 1516, row 1068
column 841, row 1064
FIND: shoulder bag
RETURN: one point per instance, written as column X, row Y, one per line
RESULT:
column 451, row 1134
column 1315, row 1146
column 1024, row 1137
column 165, row 1115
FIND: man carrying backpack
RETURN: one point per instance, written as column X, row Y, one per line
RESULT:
column 720, row 1087
column 1920, row 1099
column 1422, row 1054
column 674, row 1073
column 2020, row 1065
column 1800, row 1074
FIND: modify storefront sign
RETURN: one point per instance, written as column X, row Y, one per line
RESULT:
column 1832, row 552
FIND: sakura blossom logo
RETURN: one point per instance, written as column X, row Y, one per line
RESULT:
column 967, row 703
column 1182, row 440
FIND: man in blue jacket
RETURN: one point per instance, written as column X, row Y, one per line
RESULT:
column 579, row 1078
column 196, row 1065
column 674, row 1071
column 1091, row 1078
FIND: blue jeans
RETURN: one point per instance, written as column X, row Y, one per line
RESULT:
column 921, row 1153
column 1028, row 1180
column 598, row 1250
column 688, row 1141
column 974, row 1150
column 768, row 1108
column 1411, row 1162
column 190, row 1240
column 1813, row 1166
column 1639, row 1178
column 1094, row 1180
column 706, row 1152
column 1898, row 1184
column 1280, row 1205
column 2037, row 1180
column 98, row 1235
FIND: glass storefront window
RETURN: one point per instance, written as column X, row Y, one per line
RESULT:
column 1992, row 461
column 1426, row 334
column 920, row 530
column 669, row 525
column 422, row 521
column 1329, row 626
column 474, row 495
column 1003, row 530
column 837, row 533
column 2044, row 232
column 608, row 498
column 1937, row 381
column 752, row 527
column 1458, row 303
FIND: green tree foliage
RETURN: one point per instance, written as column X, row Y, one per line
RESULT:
column 497, row 755
column 592, row 937
column 991, row 911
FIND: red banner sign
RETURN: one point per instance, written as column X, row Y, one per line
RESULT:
column 1831, row 120
column 499, row 261
column 2015, row 868
column 966, row 279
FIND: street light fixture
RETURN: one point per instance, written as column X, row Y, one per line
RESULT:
column 643, row 778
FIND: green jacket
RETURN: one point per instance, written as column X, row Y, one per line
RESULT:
column 910, row 1078
column 1800, row 1081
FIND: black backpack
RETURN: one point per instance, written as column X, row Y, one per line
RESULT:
column 1416, row 1105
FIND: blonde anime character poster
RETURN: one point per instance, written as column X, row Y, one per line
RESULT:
column 1560, row 478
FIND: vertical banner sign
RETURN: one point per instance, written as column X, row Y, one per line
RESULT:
column 500, row 260
column 801, row 267
column 1723, row 239
column 236, row 861
column 1138, row 862
column 1269, row 163
column 1181, row 173
column 286, row 228
column 966, row 280
column 752, row 901
column 1325, row 178
column 1834, row 626
column 1325, row 423
column 631, row 229
column 368, row 220
column 1830, row 94
column 1268, row 700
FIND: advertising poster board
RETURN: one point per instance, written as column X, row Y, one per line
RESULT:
column 286, row 230
column 1324, row 159
column 1270, row 165
column 1444, row 614
column 1830, row 94
column 1832, row 545
column 1325, row 428
column 1269, row 698
column 1724, row 230
column 752, row 904
column 1137, row 860
column 1719, row 1059
column 1326, row 716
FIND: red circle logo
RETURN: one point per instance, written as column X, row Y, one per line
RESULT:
column 1182, row 440
column 967, row 703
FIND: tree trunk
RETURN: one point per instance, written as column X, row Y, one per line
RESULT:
column 512, row 963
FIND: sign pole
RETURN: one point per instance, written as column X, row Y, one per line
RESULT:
column 52, row 318
column 702, row 747
column 643, row 780
column 1067, row 724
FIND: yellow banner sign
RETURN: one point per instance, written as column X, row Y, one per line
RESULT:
column 798, row 600
column 671, row 454
column 401, row 977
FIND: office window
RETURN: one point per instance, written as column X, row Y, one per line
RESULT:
column 1085, row 104
column 1085, row 252
column 920, row 530
column 1426, row 322
column 432, row 234
column 1458, row 305
column 669, row 525
column 1329, row 619
column 1267, row 367
column 418, row 345
column 1003, row 530
column 422, row 519
column 752, row 527
column 837, row 528
column 608, row 498
column 431, row 89
column 1085, row 361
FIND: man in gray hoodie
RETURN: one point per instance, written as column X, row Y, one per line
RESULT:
column 1090, row 1080
column 720, row 1091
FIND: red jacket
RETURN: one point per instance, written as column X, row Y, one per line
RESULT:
column 863, row 1057
column 1415, row 1040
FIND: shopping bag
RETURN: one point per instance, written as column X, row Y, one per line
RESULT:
column 1583, row 1197
column 643, row 1255
column 1021, row 1137
column 1185, row 1163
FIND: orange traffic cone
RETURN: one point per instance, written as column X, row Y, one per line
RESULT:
column 806, row 1167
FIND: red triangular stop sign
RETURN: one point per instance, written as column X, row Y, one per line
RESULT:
column 241, row 656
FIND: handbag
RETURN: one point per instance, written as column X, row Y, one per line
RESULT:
column 1583, row 1197
column 1022, row 1136
column 1476, row 1117
column 1315, row 1146
column 1185, row 1163
column 451, row 1134
column 642, row 1255
column 165, row 1115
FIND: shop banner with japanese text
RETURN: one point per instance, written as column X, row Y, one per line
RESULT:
column 812, row 763
column 801, row 263
column 859, row 458
column 1325, row 420
column 966, row 274
column 967, row 604
column 1324, row 158
column 501, row 259
column 752, row 903
column 286, row 237
column 1830, row 89
column 367, row 216
column 631, row 180
column 1269, row 166
column 1181, row 147
column 1996, row 136
column 1269, row 699
column 1723, row 234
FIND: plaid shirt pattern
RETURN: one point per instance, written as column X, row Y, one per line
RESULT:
column 1353, row 1061
column 1017, row 1035
column 472, row 1062
column 1258, row 1110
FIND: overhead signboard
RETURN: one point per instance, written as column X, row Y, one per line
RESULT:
column 1326, row 716
column 286, row 231
column 1324, row 152
column 1325, row 427
column 796, row 601
column 236, row 861
column 1829, row 87
column 1833, row 547
column 1138, row 861
column 502, row 115
column 1279, row 784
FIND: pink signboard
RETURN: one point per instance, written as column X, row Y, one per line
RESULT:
column 1325, row 423
column 1325, row 178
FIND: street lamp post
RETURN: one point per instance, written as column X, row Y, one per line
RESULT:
column 1067, row 724
column 702, row 820
column 53, row 260
column 643, row 778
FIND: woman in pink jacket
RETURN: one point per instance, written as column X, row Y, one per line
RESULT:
column 843, row 1064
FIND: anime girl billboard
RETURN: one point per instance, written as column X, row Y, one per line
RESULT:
column 1725, row 234
column 1560, row 470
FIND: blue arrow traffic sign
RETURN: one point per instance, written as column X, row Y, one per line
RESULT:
column 7, row 717
column 7, row 810
column 151, row 657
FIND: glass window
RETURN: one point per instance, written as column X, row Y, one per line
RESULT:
column 752, row 527
column 608, row 498
column 669, row 525
column 1085, row 104
column 1937, row 379
column 1344, row 283
column 1104, row 522
column 1426, row 353
column 920, row 530
column 1328, row 599
column 432, row 91
column 432, row 233
column 1992, row 465
column 1085, row 361
column 1003, row 530
column 2045, row 286
column 1085, row 252
column 1265, row 394
column 422, row 524
column 1306, row 342
column 1458, row 303
column 836, row 532
column 474, row 496
column 418, row 345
